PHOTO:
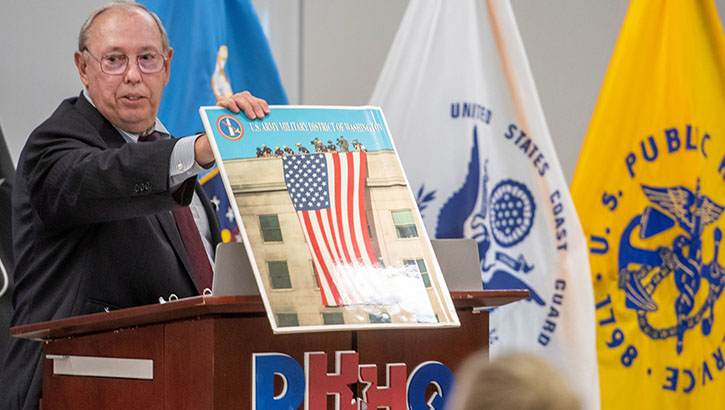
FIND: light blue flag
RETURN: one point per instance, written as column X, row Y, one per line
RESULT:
column 219, row 48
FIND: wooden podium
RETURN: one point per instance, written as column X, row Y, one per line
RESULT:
column 197, row 353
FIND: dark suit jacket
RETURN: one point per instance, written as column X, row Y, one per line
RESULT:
column 92, row 231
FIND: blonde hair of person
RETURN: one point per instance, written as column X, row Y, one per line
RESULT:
column 516, row 381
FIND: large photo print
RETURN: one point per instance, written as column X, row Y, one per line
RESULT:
column 328, row 220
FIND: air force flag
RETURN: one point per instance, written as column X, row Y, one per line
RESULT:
column 461, row 104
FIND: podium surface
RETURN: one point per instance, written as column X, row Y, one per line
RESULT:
column 197, row 353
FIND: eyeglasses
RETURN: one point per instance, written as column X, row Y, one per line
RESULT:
column 116, row 64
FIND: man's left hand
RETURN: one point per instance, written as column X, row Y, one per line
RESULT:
column 252, row 106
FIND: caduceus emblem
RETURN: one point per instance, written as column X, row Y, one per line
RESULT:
column 642, row 270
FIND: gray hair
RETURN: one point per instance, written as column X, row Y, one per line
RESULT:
column 125, row 5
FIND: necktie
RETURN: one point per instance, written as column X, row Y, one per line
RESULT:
column 201, row 268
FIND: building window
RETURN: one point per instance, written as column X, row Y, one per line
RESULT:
column 287, row 319
column 420, row 264
column 333, row 318
column 269, row 224
column 279, row 275
column 405, row 224
column 379, row 318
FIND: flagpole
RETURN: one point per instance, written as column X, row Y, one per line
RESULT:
column 508, row 69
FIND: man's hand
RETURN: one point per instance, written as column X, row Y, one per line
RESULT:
column 252, row 106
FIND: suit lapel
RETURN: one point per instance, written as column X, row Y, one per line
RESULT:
column 109, row 134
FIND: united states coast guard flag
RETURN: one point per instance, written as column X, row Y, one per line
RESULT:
column 461, row 104
column 650, row 193
column 219, row 48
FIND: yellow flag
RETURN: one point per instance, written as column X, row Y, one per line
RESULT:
column 650, row 192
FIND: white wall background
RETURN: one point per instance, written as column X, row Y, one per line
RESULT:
column 328, row 52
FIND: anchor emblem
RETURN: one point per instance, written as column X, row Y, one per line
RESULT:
column 642, row 270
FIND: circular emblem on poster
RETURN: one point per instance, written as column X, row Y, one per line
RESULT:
column 230, row 127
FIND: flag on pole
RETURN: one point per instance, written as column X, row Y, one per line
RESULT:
column 649, row 190
column 214, row 188
column 462, row 107
column 219, row 48
column 327, row 191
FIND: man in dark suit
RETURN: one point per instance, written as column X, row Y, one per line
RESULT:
column 98, row 219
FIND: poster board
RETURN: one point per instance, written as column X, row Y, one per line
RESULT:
column 328, row 219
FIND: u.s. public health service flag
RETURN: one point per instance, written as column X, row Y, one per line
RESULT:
column 650, row 194
column 461, row 104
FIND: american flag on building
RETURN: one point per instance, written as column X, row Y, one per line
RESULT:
column 327, row 191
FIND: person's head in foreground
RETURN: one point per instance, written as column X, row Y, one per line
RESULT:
column 515, row 381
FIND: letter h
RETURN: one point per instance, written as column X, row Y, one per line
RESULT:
column 319, row 383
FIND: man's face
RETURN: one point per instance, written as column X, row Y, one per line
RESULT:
column 130, row 100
